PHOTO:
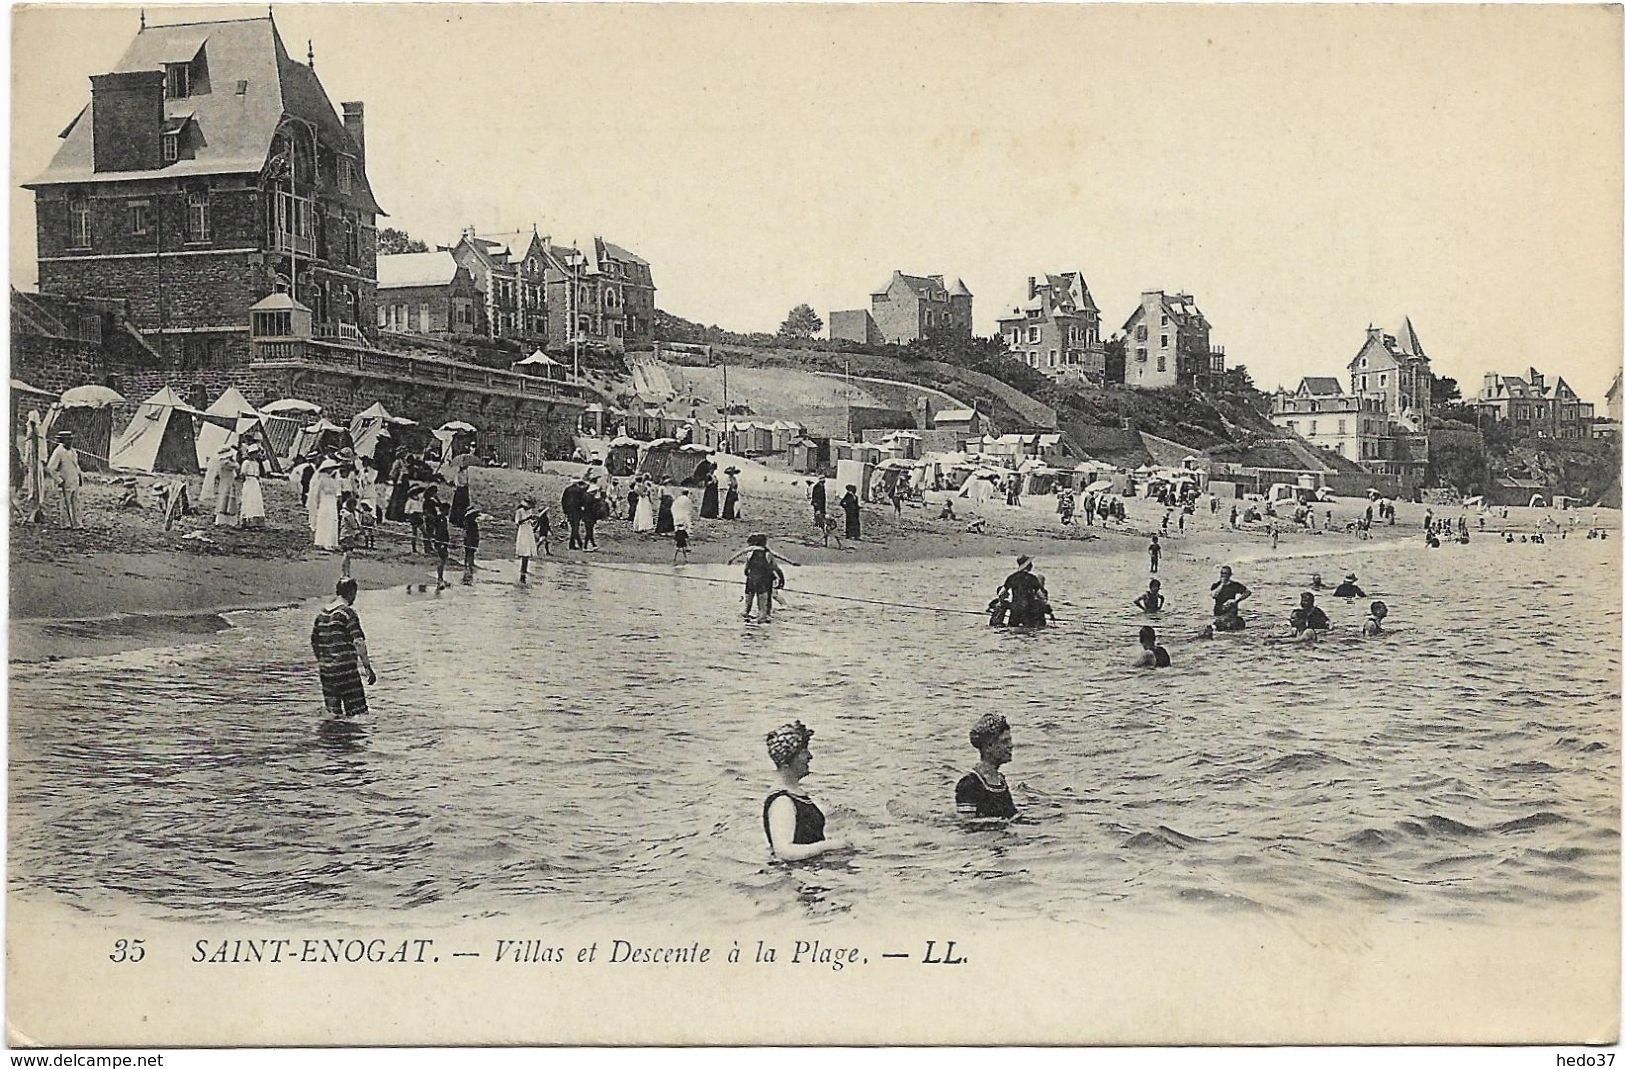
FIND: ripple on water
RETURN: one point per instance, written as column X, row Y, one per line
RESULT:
column 594, row 745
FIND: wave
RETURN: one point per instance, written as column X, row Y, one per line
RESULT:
column 1534, row 820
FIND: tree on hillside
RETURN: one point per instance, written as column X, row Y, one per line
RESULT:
column 392, row 241
column 802, row 322
column 1238, row 380
column 1445, row 391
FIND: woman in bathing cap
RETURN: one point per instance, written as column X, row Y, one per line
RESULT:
column 793, row 822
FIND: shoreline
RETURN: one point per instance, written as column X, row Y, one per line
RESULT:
column 123, row 583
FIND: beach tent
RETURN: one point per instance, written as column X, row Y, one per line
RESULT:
column 87, row 411
column 31, row 507
column 857, row 473
column 322, row 436
column 217, row 424
column 1038, row 479
column 159, row 437
column 379, row 436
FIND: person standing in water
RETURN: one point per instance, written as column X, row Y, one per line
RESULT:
column 340, row 647
column 1154, row 551
column 1347, row 588
column 1152, row 600
column 1150, row 655
column 983, row 791
column 760, row 564
column 1227, row 598
column 1373, row 623
column 792, row 821
column 436, row 534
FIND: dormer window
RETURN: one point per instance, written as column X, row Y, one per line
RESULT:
column 172, row 146
column 177, row 80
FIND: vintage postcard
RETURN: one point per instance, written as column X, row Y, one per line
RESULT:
column 780, row 524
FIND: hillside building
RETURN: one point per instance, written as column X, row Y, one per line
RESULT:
column 1056, row 330
column 1532, row 407
column 1354, row 426
column 907, row 308
column 208, row 171
column 428, row 293
column 1166, row 343
column 1395, row 367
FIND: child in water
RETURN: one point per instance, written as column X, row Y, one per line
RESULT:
column 1373, row 622
column 1152, row 599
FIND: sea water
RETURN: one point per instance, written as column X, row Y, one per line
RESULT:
column 592, row 743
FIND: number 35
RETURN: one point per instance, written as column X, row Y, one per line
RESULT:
column 130, row 950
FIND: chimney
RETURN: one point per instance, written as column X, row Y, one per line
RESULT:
column 1032, row 287
column 128, row 110
column 355, row 122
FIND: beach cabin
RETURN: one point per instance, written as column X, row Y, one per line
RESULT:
column 785, row 434
column 284, row 419
column 685, row 462
column 809, row 455
column 623, row 456
column 903, row 445
column 655, row 459
column 87, row 411
column 599, row 421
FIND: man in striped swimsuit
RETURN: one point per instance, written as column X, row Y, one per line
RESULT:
column 341, row 653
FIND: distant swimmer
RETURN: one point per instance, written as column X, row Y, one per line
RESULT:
column 1150, row 655
column 1347, row 589
column 1316, row 582
column 983, row 791
column 1152, row 600
column 1373, row 622
column 793, row 822
column 1227, row 598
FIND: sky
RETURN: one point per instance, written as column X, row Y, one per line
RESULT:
column 1302, row 171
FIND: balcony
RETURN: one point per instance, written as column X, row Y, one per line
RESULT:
column 419, row 370
column 282, row 241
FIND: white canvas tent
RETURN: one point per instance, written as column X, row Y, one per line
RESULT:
column 216, row 434
column 159, row 437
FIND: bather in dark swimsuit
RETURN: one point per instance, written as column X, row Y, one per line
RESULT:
column 809, row 819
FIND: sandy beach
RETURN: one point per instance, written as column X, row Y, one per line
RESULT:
column 123, row 582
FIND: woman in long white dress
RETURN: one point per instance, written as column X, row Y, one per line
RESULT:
column 644, row 521
column 325, row 492
column 253, row 505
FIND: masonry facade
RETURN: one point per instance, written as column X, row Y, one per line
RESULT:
column 208, row 171
column 1394, row 367
column 1354, row 426
column 1056, row 330
column 1166, row 342
column 908, row 308
column 1532, row 407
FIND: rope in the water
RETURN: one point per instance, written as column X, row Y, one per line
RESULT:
column 606, row 566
